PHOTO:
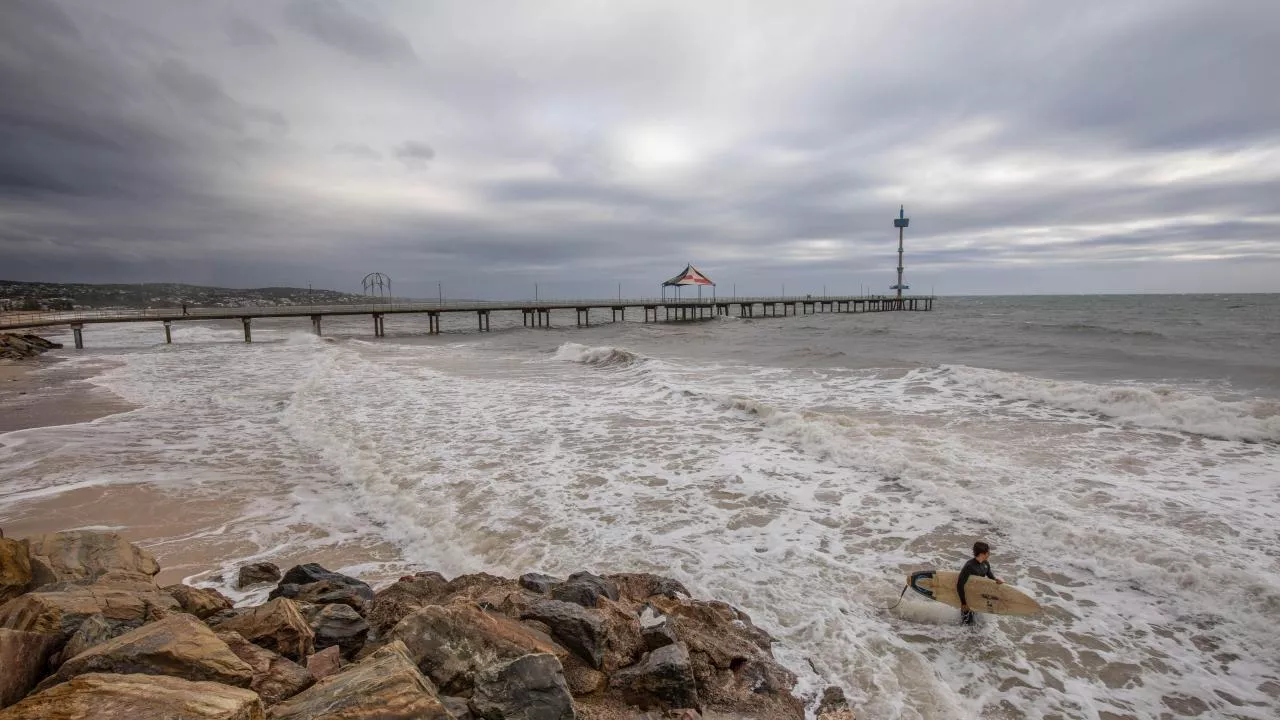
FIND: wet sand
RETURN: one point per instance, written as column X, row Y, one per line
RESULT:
column 44, row 391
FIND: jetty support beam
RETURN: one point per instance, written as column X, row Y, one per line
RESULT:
column 77, row 330
column 248, row 333
column 168, row 332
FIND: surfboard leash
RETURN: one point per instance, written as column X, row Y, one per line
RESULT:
column 900, row 596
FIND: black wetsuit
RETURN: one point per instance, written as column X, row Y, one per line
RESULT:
column 973, row 567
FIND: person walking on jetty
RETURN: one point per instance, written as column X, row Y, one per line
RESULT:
column 976, row 566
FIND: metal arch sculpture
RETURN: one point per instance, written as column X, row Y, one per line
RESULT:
column 378, row 285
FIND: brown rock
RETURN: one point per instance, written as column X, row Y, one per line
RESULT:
column 624, row 642
column 833, row 699
column 15, row 569
column 201, row 602
column 123, row 599
column 638, row 587
column 137, row 697
column 582, row 678
column 254, row 573
column 384, row 686
column 275, row 677
column 452, row 643
column 23, row 658
column 402, row 598
column 730, row 658
column 86, row 555
column 324, row 663
column 177, row 646
column 276, row 626
column 841, row 714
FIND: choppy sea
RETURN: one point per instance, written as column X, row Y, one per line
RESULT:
column 1120, row 453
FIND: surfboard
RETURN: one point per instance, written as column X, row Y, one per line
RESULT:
column 984, row 595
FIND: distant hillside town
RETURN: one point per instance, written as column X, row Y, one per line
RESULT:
column 16, row 295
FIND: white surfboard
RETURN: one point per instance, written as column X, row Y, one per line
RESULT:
column 984, row 595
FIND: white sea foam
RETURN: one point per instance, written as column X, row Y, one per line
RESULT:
column 1148, row 406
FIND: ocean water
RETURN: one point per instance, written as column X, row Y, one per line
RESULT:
column 1120, row 454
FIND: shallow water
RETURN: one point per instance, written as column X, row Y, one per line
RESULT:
column 1121, row 455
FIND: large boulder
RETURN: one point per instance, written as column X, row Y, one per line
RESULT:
column 137, row 697
column 86, row 555
column 255, row 573
column 311, row 583
column 384, row 686
column 177, row 646
column 277, row 626
column 573, row 627
column 201, row 602
column 402, row 598
column 452, row 643
column 125, row 600
column 275, row 677
column 15, row 569
column 663, row 680
column 337, row 625
column 585, row 589
column 23, row 657
column 530, row 687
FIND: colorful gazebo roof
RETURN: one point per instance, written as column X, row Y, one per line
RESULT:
column 689, row 276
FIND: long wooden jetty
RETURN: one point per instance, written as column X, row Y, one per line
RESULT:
column 534, row 313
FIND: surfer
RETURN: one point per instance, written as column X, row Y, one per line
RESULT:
column 976, row 566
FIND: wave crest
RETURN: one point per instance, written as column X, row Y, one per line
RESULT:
column 603, row 356
column 1156, row 407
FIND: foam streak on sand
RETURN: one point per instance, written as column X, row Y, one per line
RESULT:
column 802, row 493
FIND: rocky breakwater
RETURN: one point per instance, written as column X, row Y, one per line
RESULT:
column 18, row 347
column 86, row 633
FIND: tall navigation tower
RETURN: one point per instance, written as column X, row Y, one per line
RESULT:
column 900, row 222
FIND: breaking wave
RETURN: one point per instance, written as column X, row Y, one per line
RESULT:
column 1157, row 407
column 603, row 356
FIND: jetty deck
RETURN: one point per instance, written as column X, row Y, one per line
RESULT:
column 534, row 313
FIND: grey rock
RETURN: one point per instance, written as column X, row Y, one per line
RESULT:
column 574, row 627
column 95, row 630
column 312, row 583
column 663, row 679
column 531, row 687
column 656, row 629
column 337, row 625
column 458, row 708
column 254, row 573
column 585, row 589
column 832, row 699
column 539, row 583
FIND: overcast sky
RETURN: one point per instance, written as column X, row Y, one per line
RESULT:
column 1038, row 146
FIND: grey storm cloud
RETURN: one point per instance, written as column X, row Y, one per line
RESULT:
column 414, row 153
column 1037, row 146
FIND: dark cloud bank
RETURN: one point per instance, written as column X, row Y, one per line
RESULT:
column 1039, row 147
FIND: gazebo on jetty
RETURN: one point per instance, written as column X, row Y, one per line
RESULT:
column 689, row 276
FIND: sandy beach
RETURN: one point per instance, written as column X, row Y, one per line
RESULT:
column 44, row 391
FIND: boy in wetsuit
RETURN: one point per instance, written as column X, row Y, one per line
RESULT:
column 977, row 566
